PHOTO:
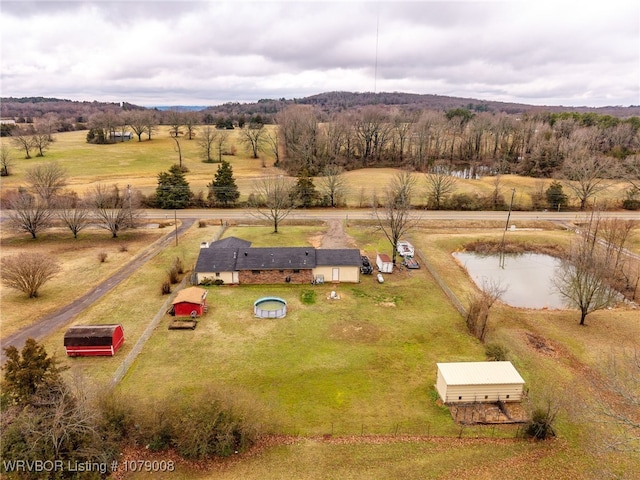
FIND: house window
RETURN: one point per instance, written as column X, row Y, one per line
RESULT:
column 217, row 274
column 459, row 398
column 255, row 272
column 507, row 396
column 296, row 271
column 281, row 271
column 486, row 397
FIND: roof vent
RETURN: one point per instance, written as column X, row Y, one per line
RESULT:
column 246, row 254
column 306, row 253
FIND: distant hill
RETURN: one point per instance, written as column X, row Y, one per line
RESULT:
column 329, row 102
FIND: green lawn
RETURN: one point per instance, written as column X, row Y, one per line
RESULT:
column 366, row 361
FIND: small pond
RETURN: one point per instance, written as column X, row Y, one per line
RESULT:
column 528, row 277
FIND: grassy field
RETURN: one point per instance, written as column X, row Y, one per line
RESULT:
column 345, row 386
column 139, row 163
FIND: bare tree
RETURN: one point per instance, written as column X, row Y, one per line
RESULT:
column 210, row 140
column 190, row 122
column 272, row 141
column 272, row 198
column 440, row 184
column 49, row 123
column 75, row 217
column 253, row 137
column 586, row 175
column 113, row 210
column 151, row 124
column 220, row 143
column 28, row 214
column 47, row 181
column 618, row 399
column 206, row 141
column 479, row 306
column 333, row 184
column 24, row 141
column 27, row 272
column 41, row 140
column 396, row 218
column 6, row 162
column 137, row 122
column 175, row 120
column 583, row 278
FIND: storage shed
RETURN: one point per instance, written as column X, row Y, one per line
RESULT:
column 90, row 340
column 190, row 302
column 468, row 382
column 384, row 263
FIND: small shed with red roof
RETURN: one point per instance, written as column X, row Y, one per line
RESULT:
column 190, row 302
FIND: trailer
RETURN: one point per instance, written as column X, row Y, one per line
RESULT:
column 405, row 249
column 384, row 263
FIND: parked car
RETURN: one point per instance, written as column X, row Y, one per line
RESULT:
column 411, row 263
column 366, row 268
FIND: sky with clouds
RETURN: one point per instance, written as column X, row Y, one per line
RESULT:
column 557, row 52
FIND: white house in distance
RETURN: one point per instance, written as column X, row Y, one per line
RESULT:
column 469, row 382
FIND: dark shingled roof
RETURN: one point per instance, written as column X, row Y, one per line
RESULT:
column 230, row 242
column 338, row 256
column 216, row 260
column 235, row 254
column 276, row 258
column 89, row 335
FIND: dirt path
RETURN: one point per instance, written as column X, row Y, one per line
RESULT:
column 336, row 236
column 57, row 319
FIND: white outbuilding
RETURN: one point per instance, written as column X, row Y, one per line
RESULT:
column 468, row 382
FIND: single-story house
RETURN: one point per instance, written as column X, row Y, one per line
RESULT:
column 469, row 382
column 233, row 260
column 91, row 340
column 190, row 302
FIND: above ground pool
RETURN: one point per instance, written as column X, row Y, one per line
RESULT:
column 270, row 307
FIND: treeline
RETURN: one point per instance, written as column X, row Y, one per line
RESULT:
column 374, row 136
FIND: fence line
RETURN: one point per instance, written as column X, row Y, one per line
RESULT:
column 442, row 284
column 137, row 348
column 509, row 430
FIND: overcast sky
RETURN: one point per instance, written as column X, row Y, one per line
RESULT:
column 558, row 52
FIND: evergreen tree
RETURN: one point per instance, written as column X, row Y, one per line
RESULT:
column 173, row 189
column 223, row 189
column 27, row 372
column 555, row 196
column 304, row 192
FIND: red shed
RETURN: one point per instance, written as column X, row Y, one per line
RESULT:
column 190, row 302
column 86, row 340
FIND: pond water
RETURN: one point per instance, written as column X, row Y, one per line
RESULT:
column 528, row 277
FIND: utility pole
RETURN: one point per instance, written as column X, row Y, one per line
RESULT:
column 506, row 227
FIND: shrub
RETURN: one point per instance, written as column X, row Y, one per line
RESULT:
column 124, row 248
column 178, row 265
column 202, row 223
column 174, row 276
column 308, row 297
column 102, row 257
column 540, row 426
column 496, row 352
column 166, row 287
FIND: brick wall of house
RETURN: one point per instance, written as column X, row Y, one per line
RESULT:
column 274, row 276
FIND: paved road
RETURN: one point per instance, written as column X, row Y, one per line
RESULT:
column 57, row 319
column 366, row 214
